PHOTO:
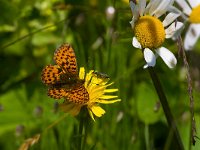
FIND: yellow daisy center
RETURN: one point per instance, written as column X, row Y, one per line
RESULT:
column 194, row 16
column 150, row 32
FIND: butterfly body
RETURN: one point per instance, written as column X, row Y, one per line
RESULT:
column 63, row 79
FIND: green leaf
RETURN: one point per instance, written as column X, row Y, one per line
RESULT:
column 146, row 103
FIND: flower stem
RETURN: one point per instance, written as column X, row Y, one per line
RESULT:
column 80, row 132
column 165, row 106
column 86, row 132
column 83, row 129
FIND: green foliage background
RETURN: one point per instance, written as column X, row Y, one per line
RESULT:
column 30, row 31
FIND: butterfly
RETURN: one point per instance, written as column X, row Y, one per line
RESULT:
column 62, row 78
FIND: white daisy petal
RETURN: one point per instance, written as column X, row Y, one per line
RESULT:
column 149, row 57
column 134, row 9
column 194, row 3
column 170, row 18
column 149, row 9
column 145, row 66
column 171, row 30
column 132, row 22
column 177, row 11
column 183, row 4
column 132, row 5
column 178, row 33
column 136, row 43
column 173, row 9
column 191, row 36
column 135, row 12
column 167, row 56
column 142, row 5
column 159, row 7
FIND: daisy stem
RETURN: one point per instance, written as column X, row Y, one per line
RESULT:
column 166, row 108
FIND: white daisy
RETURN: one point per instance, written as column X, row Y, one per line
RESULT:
column 150, row 32
column 192, row 10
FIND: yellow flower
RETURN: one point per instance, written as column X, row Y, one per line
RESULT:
column 96, row 87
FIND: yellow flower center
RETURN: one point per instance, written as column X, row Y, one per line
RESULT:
column 194, row 16
column 150, row 32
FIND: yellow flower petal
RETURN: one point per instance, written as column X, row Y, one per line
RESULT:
column 108, row 101
column 109, row 84
column 110, row 90
column 94, row 86
column 108, row 97
column 95, row 89
column 97, row 110
column 71, row 108
column 98, row 81
column 91, row 114
column 89, row 76
column 75, row 111
column 67, row 106
column 82, row 73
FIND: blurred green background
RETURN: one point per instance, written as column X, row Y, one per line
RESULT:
column 30, row 31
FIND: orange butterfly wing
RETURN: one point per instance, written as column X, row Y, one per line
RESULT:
column 65, row 57
column 51, row 74
column 62, row 78
column 57, row 93
column 66, row 69
column 78, row 95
